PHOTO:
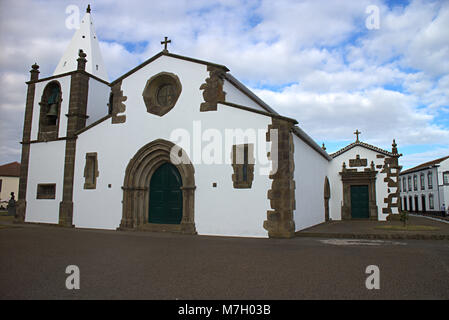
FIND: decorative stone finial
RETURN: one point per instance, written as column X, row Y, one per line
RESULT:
column 372, row 166
column 323, row 147
column 88, row 8
column 81, row 60
column 34, row 72
column 344, row 166
column 394, row 148
column 82, row 54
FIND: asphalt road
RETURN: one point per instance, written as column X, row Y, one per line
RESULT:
column 143, row 265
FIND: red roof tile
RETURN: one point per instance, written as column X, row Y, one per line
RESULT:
column 425, row 165
column 10, row 169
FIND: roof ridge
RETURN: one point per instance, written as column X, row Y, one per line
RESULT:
column 168, row 54
column 363, row 144
column 426, row 164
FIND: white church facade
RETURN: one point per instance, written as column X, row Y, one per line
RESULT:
column 178, row 144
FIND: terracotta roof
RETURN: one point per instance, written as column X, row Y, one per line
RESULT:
column 365, row 145
column 10, row 169
column 425, row 165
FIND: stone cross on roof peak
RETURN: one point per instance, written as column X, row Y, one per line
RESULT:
column 165, row 42
column 357, row 132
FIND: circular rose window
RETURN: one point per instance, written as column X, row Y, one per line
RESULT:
column 165, row 95
column 161, row 93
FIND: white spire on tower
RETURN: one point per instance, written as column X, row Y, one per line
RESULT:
column 86, row 39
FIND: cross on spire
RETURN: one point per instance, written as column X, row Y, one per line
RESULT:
column 357, row 132
column 165, row 42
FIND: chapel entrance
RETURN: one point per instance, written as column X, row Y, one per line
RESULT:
column 165, row 196
column 159, row 190
column 359, row 202
column 359, row 194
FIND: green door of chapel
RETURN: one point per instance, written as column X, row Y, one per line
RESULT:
column 165, row 196
column 359, row 202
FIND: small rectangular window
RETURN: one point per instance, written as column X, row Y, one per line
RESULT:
column 431, row 201
column 446, row 177
column 429, row 180
column 91, row 171
column 243, row 165
column 46, row 191
column 422, row 181
column 409, row 179
column 415, row 182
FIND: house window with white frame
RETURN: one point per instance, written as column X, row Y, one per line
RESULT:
column 429, row 180
column 415, row 182
column 446, row 177
column 422, row 181
column 409, row 179
column 431, row 205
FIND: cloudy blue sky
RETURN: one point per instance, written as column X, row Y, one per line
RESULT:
column 315, row 61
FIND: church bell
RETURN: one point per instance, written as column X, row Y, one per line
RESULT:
column 53, row 110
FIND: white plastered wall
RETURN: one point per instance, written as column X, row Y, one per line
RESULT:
column 218, row 211
column 9, row 184
column 46, row 165
column 97, row 101
column 310, row 173
column 443, row 189
column 234, row 95
column 336, row 185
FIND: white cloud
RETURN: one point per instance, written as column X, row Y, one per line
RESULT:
column 329, row 71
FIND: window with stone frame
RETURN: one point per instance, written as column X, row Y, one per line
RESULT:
column 46, row 191
column 91, row 171
column 50, row 106
column 111, row 103
column 446, row 177
column 415, row 182
column 409, row 179
column 243, row 165
column 429, row 180
column 404, row 185
column 431, row 204
column 422, row 181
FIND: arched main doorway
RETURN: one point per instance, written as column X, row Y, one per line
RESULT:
column 156, row 160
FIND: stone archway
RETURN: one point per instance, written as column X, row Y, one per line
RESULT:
column 327, row 195
column 137, row 180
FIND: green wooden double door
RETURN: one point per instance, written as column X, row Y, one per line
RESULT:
column 165, row 196
column 359, row 202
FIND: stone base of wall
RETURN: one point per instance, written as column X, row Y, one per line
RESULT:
column 66, row 214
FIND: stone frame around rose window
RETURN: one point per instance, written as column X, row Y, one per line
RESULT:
column 151, row 90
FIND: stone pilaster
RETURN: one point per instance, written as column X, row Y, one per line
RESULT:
column 392, row 169
column 213, row 89
column 118, row 107
column 280, row 222
column 23, row 180
column 79, row 88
